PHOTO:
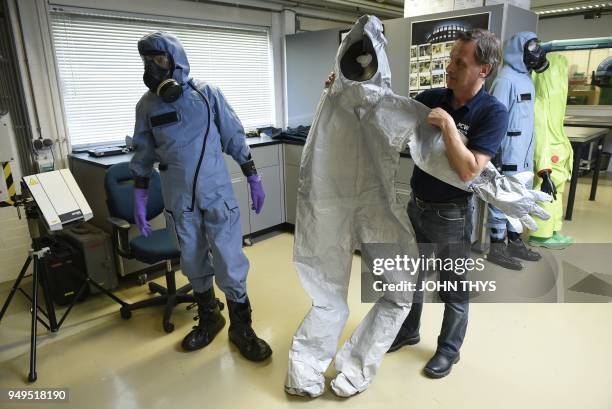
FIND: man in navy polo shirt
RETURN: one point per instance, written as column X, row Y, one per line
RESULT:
column 440, row 213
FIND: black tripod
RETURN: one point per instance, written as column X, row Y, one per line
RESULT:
column 39, row 272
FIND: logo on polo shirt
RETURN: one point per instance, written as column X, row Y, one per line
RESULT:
column 463, row 128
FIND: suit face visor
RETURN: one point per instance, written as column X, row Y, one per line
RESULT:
column 161, row 60
column 534, row 56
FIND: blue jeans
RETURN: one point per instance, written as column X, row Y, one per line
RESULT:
column 444, row 229
column 498, row 223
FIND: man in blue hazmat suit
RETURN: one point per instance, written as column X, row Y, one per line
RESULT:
column 187, row 125
column 513, row 87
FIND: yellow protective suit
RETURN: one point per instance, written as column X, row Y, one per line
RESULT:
column 553, row 150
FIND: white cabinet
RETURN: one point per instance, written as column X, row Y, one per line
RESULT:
column 267, row 161
column 271, row 214
column 291, row 183
column 292, row 156
column 239, row 184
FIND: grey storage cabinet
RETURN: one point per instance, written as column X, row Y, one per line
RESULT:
column 241, row 191
column 272, row 213
column 292, row 156
column 267, row 160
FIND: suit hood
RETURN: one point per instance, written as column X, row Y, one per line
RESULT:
column 364, row 44
column 514, row 50
column 164, row 42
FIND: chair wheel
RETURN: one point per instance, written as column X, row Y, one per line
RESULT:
column 125, row 313
column 168, row 327
column 151, row 287
column 142, row 279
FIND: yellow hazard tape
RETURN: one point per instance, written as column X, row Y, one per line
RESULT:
column 10, row 184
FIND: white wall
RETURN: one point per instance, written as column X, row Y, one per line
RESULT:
column 14, row 236
column 14, row 243
column 312, row 24
column 564, row 28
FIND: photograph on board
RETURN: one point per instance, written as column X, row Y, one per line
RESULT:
column 437, row 50
column 446, row 30
column 424, row 51
column 425, row 67
column 437, row 65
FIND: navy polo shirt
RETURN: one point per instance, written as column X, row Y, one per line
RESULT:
column 483, row 120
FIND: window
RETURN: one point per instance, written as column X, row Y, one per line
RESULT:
column 100, row 71
column 590, row 76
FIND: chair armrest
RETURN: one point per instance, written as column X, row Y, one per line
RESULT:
column 121, row 240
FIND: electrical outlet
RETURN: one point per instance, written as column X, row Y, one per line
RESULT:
column 45, row 162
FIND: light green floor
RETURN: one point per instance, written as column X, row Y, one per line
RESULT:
column 515, row 355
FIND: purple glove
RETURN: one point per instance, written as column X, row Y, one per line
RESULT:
column 140, row 210
column 257, row 192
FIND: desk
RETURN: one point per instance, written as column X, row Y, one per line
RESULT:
column 589, row 121
column 579, row 138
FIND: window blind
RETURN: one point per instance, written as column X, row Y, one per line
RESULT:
column 100, row 71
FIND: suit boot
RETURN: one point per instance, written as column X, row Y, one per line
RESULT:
column 210, row 321
column 242, row 334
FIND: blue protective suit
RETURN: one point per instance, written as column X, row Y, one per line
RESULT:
column 513, row 87
column 196, row 186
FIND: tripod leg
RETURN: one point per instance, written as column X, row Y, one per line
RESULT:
column 105, row 291
column 32, row 375
column 16, row 286
column 74, row 301
column 46, row 290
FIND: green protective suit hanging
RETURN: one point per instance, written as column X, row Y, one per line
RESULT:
column 553, row 151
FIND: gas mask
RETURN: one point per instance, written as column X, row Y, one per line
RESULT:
column 534, row 56
column 359, row 62
column 158, row 77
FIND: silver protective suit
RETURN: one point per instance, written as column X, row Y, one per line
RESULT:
column 346, row 196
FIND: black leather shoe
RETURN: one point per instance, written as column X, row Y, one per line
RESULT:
column 440, row 365
column 210, row 321
column 498, row 254
column 402, row 339
column 242, row 334
column 518, row 249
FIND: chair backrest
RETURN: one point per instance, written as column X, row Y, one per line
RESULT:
column 119, row 186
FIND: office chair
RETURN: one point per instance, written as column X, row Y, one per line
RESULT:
column 155, row 248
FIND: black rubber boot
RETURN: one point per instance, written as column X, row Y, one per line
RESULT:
column 242, row 334
column 440, row 365
column 518, row 249
column 498, row 254
column 210, row 321
column 402, row 339
column 409, row 331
